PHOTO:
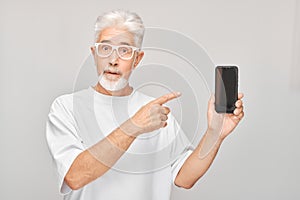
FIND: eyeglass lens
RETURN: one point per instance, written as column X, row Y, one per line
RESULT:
column 105, row 50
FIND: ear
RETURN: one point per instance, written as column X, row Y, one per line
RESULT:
column 93, row 51
column 139, row 57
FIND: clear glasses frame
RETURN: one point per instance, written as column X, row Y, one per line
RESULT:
column 125, row 52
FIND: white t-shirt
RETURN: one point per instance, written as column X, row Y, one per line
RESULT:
column 148, row 168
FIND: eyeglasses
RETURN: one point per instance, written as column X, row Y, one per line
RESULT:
column 125, row 52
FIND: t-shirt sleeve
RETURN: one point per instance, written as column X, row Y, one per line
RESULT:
column 62, row 138
column 183, row 148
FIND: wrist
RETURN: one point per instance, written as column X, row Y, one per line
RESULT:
column 215, row 134
column 130, row 129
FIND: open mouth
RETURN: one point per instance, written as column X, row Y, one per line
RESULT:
column 112, row 75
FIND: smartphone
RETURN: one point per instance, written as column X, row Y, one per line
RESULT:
column 226, row 88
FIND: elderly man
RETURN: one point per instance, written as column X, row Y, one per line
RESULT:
column 96, row 157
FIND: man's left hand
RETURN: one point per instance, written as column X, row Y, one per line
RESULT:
column 224, row 123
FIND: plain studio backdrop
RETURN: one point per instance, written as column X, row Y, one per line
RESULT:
column 43, row 44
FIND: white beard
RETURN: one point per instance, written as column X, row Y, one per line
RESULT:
column 112, row 85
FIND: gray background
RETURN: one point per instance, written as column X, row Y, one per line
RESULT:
column 43, row 43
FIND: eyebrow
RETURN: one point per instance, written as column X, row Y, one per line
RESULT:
column 109, row 41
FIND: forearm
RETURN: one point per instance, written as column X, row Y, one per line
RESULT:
column 219, row 127
column 199, row 161
column 98, row 159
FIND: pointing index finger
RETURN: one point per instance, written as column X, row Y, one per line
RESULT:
column 167, row 97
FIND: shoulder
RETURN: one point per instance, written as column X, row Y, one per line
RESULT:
column 65, row 102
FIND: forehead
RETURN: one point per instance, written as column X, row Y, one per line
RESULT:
column 116, row 36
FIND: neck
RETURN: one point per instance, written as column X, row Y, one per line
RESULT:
column 127, row 90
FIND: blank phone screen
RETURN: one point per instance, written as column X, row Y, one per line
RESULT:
column 226, row 88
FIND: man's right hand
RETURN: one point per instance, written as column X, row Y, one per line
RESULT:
column 151, row 116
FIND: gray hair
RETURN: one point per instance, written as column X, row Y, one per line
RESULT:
column 122, row 19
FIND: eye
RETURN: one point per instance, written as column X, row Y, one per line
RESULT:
column 123, row 50
column 105, row 48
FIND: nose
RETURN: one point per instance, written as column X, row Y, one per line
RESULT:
column 113, row 58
